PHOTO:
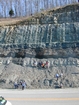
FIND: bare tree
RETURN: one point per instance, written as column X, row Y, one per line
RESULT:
column 29, row 7
column 46, row 4
column 41, row 4
column 17, row 8
column 74, row 1
column 36, row 6
column 25, row 7
column 2, row 7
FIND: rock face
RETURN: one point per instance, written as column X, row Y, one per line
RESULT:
column 52, row 36
column 53, row 29
column 17, row 69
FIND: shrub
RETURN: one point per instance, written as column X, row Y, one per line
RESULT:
column 11, row 12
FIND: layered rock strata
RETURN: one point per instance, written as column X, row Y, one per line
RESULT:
column 51, row 36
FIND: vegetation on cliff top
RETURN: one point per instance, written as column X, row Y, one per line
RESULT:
column 35, row 19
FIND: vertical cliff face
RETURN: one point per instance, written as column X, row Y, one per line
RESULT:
column 55, row 29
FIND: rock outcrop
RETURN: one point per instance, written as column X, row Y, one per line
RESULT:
column 55, row 29
column 22, row 69
column 53, row 36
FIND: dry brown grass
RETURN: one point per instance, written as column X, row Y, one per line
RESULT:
column 11, row 21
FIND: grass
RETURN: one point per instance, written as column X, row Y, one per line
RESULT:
column 29, row 19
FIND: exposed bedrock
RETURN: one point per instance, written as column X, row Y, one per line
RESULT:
column 55, row 30
column 51, row 36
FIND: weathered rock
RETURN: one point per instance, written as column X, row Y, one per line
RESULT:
column 38, row 77
column 52, row 37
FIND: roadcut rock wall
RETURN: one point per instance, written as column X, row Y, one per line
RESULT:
column 51, row 36
column 51, row 29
